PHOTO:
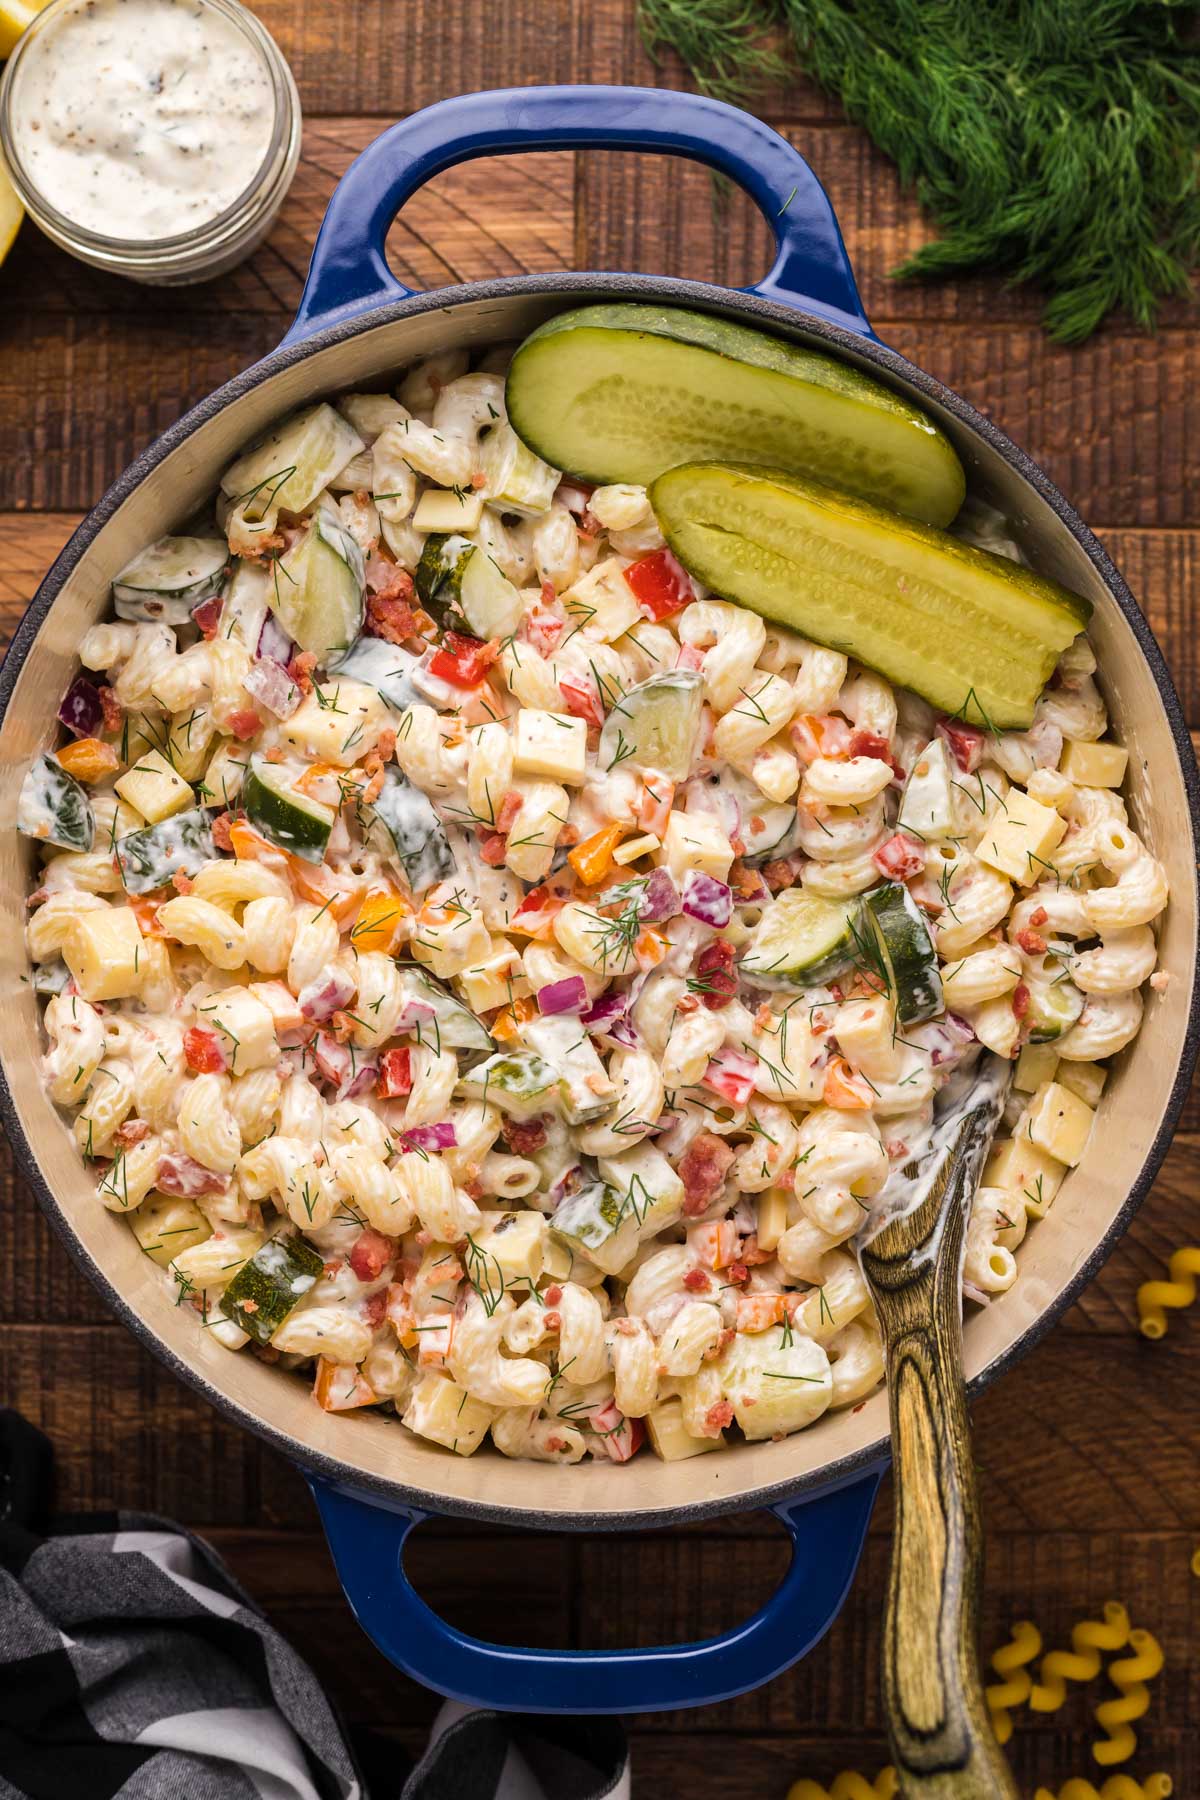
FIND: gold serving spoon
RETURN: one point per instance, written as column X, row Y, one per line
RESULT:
column 911, row 1252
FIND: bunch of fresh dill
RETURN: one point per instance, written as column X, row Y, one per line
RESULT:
column 1052, row 141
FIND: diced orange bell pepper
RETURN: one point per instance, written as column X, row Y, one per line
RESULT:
column 145, row 911
column 650, row 946
column 654, row 805
column 758, row 1312
column 314, row 777
column 314, row 881
column 340, row 1386
column 88, row 759
column 435, row 1334
column 715, row 1242
column 378, row 921
column 592, row 859
column 248, row 846
column 845, row 1089
column 504, row 1025
column 400, row 1315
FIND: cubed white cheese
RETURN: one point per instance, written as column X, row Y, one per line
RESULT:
column 1058, row 1122
column 441, row 509
column 695, row 841
column 1020, row 840
column 156, row 789
column 1086, row 1079
column 549, row 744
column 1094, row 765
column 1021, row 1167
column 602, row 604
column 103, row 951
column 1036, row 1063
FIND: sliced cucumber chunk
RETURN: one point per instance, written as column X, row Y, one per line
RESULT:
column 655, row 725
column 585, row 1092
column 178, row 846
column 456, row 576
column 51, row 977
column 54, row 808
column 908, row 948
column 517, row 481
column 265, row 1289
column 285, row 818
column 623, row 393
column 454, row 1026
column 976, row 635
column 927, row 804
column 169, row 578
column 288, row 468
column 590, row 1219
column 403, row 824
column 385, row 667
column 317, row 588
column 1054, row 1006
column 520, row 1082
column 802, row 940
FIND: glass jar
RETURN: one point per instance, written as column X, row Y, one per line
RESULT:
column 212, row 245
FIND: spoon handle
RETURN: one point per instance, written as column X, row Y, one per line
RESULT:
column 941, row 1735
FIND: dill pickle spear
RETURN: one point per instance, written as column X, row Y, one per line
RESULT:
column 622, row 393
column 974, row 634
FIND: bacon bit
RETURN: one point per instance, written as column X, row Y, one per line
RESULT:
column 1038, row 916
column 552, row 1320
column 1031, row 942
column 697, row 1281
column 373, row 768
column 1020, row 999
column 387, row 743
column 718, row 1417
column 131, row 1132
column 342, row 1025
column 702, row 1169
column 473, row 1187
column 274, row 754
column 725, row 1338
column 386, row 580
column 1160, row 981
column 374, row 1308
column 183, row 884
column 763, row 1017
column 900, row 858
column 389, row 616
column 627, row 1328
column 493, row 849
column 524, row 1136
column 557, row 1444
column 714, row 968
column 112, row 709
column 220, row 832
column 245, row 725
column 553, row 1295
column 687, row 1003
column 250, row 1306
column 738, row 1272
column 510, row 806
column 777, row 875
column 751, row 1255
column 370, row 1254
column 301, row 670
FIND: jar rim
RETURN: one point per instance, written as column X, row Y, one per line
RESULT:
column 199, row 239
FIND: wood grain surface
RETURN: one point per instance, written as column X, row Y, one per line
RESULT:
column 1088, row 1452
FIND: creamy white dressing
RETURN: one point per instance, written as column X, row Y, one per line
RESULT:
column 142, row 119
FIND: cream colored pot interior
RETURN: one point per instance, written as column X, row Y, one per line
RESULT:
column 374, row 1445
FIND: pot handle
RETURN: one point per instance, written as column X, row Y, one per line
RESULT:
column 367, row 1542
column 349, row 274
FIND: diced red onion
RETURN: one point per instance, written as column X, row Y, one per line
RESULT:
column 348, row 1073
column 81, row 711
column 574, row 496
column 362, row 1081
column 268, row 682
column 660, row 900
column 431, row 1137
column 607, row 1008
column 416, row 1016
column 182, row 1175
column 623, row 1033
column 707, row 899
column 274, row 642
column 568, row 996
column 321, row 998
column 566, row 1184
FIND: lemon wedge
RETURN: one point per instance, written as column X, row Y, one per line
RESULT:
column 15, row 15
column 11, row 214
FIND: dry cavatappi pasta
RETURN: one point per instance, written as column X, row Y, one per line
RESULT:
column 494, row 976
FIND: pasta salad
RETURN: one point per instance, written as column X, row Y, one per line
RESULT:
column 493, row 975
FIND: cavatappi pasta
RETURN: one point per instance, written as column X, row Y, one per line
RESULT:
column 493, row 976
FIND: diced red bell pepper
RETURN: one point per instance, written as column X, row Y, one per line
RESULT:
column 732, row 1074
column 965, row 741
column 661, row 583
column 203, row 1051
column 463, row 661
column 899, row 858
column 582, row 698
column 622, row 1438
column 208, row 616
column 395, row 1075
column 821, row 734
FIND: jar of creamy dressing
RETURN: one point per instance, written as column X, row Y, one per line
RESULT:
column 154, row 138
